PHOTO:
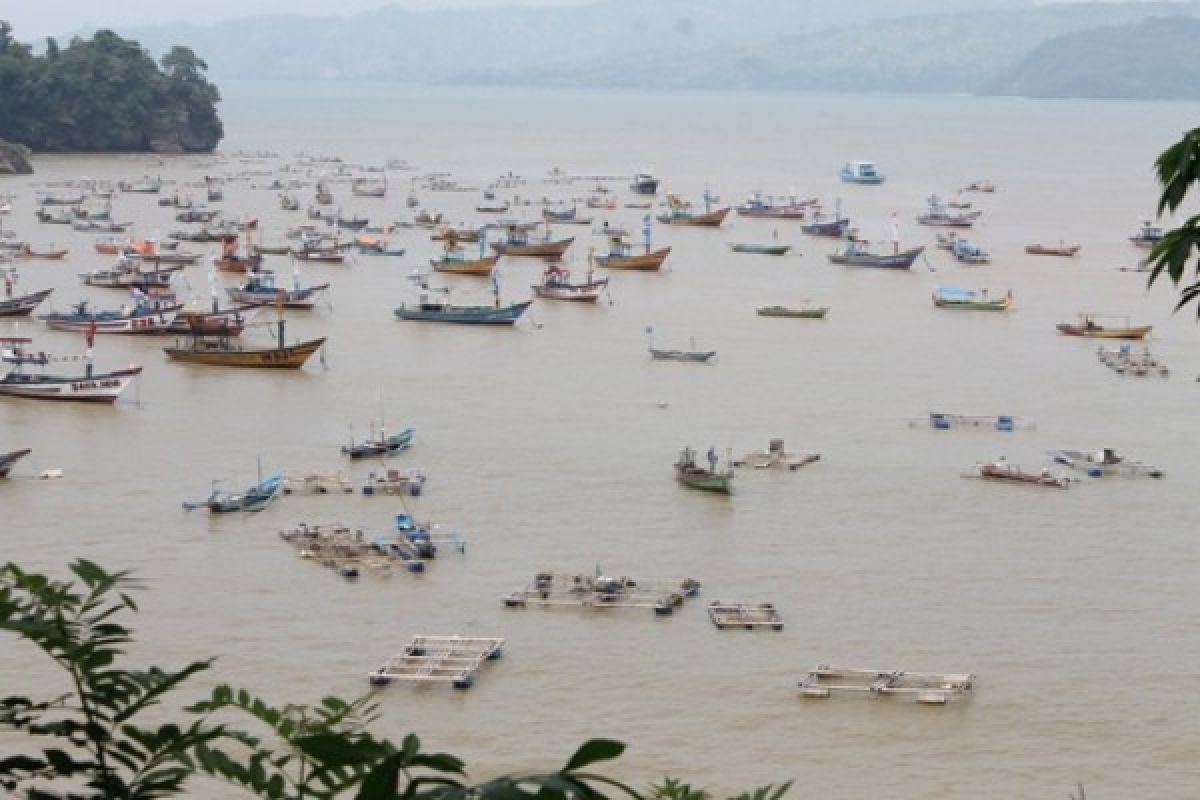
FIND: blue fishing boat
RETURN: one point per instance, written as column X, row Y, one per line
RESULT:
column 863, row 172
column 255, row 498
column 433, row 305
column 381, row 444
column 856, row 254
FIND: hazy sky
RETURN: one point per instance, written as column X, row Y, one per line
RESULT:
column 33, row 19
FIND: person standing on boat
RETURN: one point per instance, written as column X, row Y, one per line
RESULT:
column 89, row 338
column 10, row 279
column 895, row 235
column 712, row 459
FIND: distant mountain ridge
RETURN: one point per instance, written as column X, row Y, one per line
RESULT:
column 972, row 46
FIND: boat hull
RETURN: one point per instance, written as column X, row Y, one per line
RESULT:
column 99, row 388
column 466, row 315
column 21, row 306
column 580, row 293
column 289, row 357
column 554, row 249
column 709, row 219
column 647, row 262
column 8, row 460
column 762, row 249
column 305, row 298
column 158, row 322
column 482, row 266
column 793, row 313
column 1043, row 250
column 1139, row 332
column 903, row 260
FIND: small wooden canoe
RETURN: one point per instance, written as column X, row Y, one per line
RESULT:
column 760, row 249
column 816, row 312
column 710, row 219
column 482, row 266
column 646, row 262
column 1052, row 250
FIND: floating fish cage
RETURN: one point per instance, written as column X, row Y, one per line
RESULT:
column 1123, row 361
column 776, row 455
column 743, row 615
column 350, row 552
column 940, row 421
column 317, row 484
column 548, row 590
column 408, row 483
column 438, row 659
column 932, row 688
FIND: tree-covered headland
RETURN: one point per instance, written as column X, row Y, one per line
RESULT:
column 105, row 94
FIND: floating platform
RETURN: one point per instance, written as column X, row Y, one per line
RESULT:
column 1123, row 361
column 406, row 482
column 941, row 421
column 743, row 615
column 776, row 456
column 933, row 688
column 315, row 483
column 438, row 659
column 351, row 551
column 548, row 589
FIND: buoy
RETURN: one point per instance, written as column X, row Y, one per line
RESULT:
column 664, row 403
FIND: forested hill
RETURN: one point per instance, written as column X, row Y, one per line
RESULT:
column 105, row 94
column 968, row 46
column 1154, row 58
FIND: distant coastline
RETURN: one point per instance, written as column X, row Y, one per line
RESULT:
column 988, row 47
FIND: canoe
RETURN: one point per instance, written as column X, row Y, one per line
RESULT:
column 761, row 249
column 1052, row 250
column 7, row 460
column 817, row 312
column 20, row 306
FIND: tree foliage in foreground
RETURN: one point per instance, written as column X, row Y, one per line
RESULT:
column 1178, row 170
column 93, row 745
column 105, row 94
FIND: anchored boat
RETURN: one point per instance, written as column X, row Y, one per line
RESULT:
column 970, row 300
column 1089, row 327
column 861, row 172
column 8, row 460
column 1104, row 462
column 694, row 476
column 91, row 386
column 381, row 444
column 856, row 254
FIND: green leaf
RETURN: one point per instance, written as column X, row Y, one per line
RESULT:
column 594, row 751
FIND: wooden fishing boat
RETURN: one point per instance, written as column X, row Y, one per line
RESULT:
column 835, row 228
column 255, row 498
column 145, row 185
column 861, row 172
column 8, row 460
column 320, row 256
column 938, row 214
column 1147, row 236
column 215, row 321
column 448, row 234
column 694, row 476
column 142, row 318
column 381, row 444
column 1105, row 462
column 220, row 351
column 812, row 312
column 61, row 217
column 560, row 215
column 760, row 249
column 1089, row 327
column 129, row 274
column 233, row 261
column 856, row 254
column 455, row 263
column 556, row 285
column 22, row 305
column 1052, row 249
column 683, row 217
column 767, row 208
column 518, row 243
column 970, row 300
column 91, row 386
column 1003, row 471
column 433, row 305
column 644, row 183
column 621, row 256
column 55, row 254
column 261, row 290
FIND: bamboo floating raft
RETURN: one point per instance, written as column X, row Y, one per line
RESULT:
column 409, row 482
column 350, row 552
column 548, row 590
column 439, row 659
column 776, row 456
column 316, row 483
column 932, row 688
column 742, row 615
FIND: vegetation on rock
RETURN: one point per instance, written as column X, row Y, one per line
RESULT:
column 105, row 94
